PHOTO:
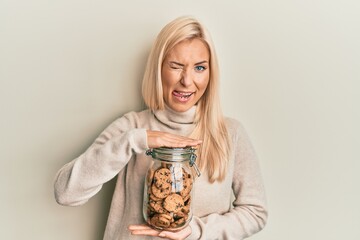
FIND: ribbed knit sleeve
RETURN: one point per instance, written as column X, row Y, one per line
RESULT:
column 80, row 179
column 249, row 213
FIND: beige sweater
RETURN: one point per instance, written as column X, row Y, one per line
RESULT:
column 232, row 209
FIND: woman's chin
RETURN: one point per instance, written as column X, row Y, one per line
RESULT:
column 180, row 107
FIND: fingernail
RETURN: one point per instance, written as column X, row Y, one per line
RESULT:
column 162, row 235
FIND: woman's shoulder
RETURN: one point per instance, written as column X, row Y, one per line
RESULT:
column 137, row 114
column 234, row 127
column 132, row 118
column 232, row 124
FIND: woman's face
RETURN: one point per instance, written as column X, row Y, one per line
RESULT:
column 185, row 74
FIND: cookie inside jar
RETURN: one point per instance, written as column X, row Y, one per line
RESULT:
column 167, row 198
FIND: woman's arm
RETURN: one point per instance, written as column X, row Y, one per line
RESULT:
column 82, row 178
column 249, row 212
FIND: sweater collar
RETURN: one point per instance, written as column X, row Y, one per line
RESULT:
column 169, row 116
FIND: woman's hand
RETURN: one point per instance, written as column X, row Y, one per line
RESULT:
column 157, row 139
column 145, row 230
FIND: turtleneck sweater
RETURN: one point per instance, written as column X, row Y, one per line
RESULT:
column 234, row 208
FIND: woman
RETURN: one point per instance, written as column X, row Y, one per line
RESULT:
column 180, row 88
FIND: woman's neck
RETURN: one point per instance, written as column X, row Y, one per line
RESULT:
column 178, row 121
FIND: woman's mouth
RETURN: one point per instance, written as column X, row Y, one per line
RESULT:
column 182, row 96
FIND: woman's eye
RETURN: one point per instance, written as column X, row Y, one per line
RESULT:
column 200, row 68
column 175, row 67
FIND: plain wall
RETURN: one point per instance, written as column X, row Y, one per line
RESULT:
column 290, row 74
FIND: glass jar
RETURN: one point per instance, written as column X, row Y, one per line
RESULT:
column 169, row 187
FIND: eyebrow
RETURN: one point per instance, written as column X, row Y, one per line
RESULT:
column 173, row 62
column 176, row 63
column 201, row 62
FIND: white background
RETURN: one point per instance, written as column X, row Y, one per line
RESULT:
column 290, row 74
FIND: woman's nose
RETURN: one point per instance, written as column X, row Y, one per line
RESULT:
column 186, row 79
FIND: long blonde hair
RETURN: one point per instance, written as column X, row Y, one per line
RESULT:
column 214, row 152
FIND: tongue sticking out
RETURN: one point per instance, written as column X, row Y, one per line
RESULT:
column 182, row 96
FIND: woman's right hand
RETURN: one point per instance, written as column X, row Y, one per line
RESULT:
column 145, row 230
column 158, row 139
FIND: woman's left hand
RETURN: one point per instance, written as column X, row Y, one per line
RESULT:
column 148, row 231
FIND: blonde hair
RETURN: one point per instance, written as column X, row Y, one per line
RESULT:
column 214, row 152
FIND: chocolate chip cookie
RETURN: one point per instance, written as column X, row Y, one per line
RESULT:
column 168, row 197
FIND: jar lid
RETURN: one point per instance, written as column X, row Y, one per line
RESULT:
column 175, row 155
column 172, row 154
